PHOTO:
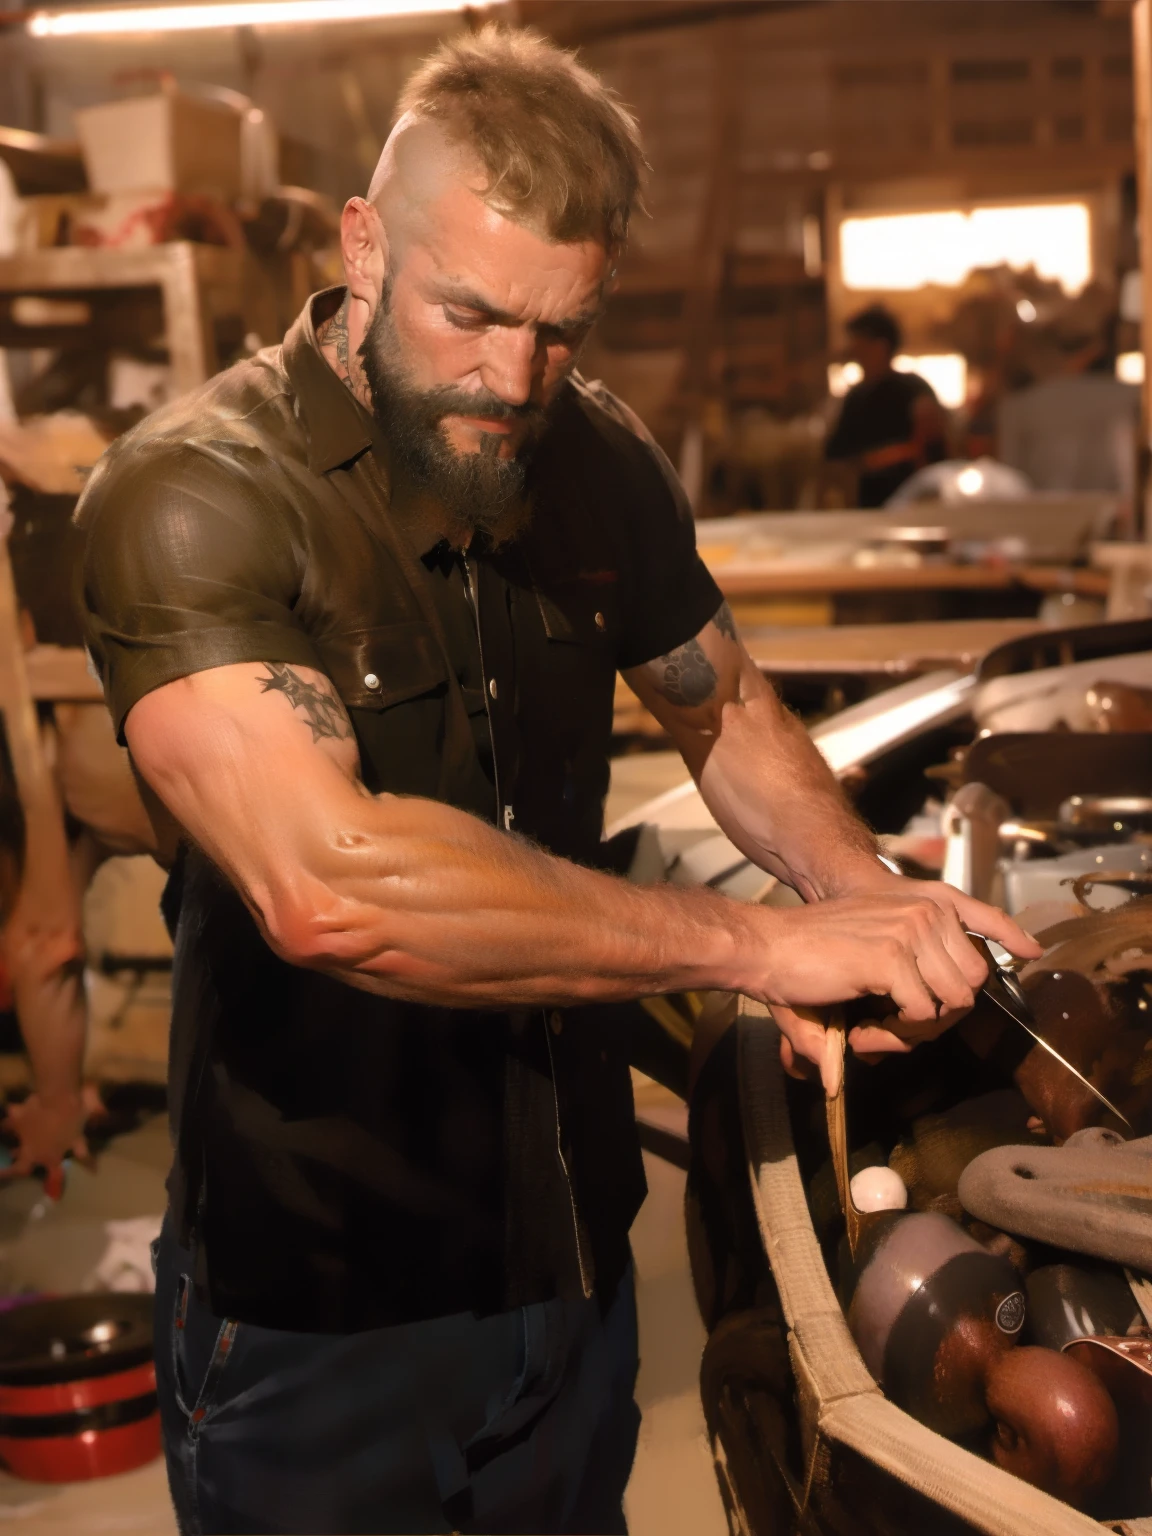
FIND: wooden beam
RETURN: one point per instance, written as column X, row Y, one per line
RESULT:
column 1142, row 72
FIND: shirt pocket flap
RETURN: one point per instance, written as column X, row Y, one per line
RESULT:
column 375, row 668
column 577, row 615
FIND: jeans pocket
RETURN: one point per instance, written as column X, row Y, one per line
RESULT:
column 201, row 1348
column 541, row 1357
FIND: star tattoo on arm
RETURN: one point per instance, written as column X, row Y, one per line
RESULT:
column 321, row 706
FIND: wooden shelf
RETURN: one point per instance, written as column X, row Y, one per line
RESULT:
column 198, row 284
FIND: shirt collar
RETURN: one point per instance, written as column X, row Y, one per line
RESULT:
column 335, row 425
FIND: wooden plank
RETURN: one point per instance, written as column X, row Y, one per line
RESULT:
column 59, row 674
column 1142, row 63
column 46, row 901
column 74, row 268
column 894, row 650
column 742, row 581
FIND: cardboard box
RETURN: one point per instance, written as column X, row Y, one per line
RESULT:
column 169, row 142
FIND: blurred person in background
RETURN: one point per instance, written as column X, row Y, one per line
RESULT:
column 1076, row 430
column 891, row 423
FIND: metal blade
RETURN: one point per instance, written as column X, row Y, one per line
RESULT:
column 1003, row 979
column 1014, row 1014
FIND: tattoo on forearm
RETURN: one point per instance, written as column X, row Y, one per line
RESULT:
column 321, row 706
column 685, row 676
column 724, row 621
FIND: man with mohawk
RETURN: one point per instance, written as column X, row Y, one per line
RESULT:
column 359, row 605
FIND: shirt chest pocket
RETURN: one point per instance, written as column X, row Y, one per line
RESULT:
column 574, row 670
column 583, row 616
column 386, row 664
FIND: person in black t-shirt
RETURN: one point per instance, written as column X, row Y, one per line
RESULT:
column 890, row 424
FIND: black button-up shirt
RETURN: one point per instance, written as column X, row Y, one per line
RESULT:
column 344, row 1161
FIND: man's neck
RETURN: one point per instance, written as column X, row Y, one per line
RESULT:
column 335, row 345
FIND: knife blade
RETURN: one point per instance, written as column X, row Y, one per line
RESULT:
column 1003, row 989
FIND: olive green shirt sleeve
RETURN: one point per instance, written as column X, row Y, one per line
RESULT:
column 189, row 564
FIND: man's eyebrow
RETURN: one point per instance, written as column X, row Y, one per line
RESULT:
column 467, row 299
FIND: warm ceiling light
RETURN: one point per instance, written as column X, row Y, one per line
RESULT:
column 242, row 13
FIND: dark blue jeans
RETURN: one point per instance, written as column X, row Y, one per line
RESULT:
column 520, row 1422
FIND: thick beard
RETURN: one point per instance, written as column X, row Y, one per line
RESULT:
column 480, row 492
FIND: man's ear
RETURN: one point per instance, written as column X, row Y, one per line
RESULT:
column 364, row 246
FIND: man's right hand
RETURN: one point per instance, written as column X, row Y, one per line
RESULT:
column 901, row 944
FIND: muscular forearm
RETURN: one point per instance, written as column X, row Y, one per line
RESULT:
column 420, row 901
column 774, row 796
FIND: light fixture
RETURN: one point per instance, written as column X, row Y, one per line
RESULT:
column 1026, row 310
column 970, row 481
column 841, row 377
column 1130, row 367
column 240, row 13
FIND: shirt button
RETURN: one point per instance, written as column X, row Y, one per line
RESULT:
column 371, row 681
column 492, row 686
column 555, row 1022
column 599, row 621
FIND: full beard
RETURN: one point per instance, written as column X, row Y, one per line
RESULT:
column 480, row 492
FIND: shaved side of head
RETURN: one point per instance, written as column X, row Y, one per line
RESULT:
column 417, row 165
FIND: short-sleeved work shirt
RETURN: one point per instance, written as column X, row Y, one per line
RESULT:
column 344, row 1161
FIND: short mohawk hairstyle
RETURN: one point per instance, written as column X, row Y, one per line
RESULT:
column 560, row 149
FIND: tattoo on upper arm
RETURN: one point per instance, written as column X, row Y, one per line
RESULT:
column 321, row 705
column 724, row 621
column 685, row 676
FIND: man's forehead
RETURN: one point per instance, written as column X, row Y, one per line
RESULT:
column 467, row 246
column 427, row 189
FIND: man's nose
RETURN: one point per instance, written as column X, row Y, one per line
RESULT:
column 512, row 362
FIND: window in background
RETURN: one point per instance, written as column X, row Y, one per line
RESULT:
column 947, row 372
column 903, row 251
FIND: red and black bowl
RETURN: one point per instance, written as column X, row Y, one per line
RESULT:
column 78, row 1388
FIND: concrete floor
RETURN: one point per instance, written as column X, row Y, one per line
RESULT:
column 58, row 1246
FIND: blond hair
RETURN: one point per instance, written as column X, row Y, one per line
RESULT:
column 560, row 149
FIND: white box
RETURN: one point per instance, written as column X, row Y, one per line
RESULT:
column 169, row 142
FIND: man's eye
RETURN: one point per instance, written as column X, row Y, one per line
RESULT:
column 464, row 319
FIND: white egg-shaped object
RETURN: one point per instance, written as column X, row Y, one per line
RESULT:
column 878, row 1189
